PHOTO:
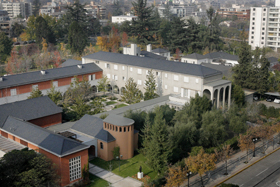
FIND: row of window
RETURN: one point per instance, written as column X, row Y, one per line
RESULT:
column 115, row 128
column 75, row 168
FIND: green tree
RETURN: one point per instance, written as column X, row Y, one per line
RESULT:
column 77, row 38
column 117, row 11
column 27, row 168
column 80, row 107
column 243, row 68
column 253, row 79
column 30, row 28
column 142, row 27
column 97, row 105
column 156, row 143
column 150, row 86
column 35, row 93
column 238, row 95
column 6, row 46
column 131, row 93
column 167, row 13
column 236, row 119
column 103, row 84
column 17, row 29
column 42, row 30
column 263, row 74
column 54, row 95
column 212, row 129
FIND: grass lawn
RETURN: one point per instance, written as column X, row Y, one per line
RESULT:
column 110, row 102
column 127, row 167
column 120, row 105
column 97, row 182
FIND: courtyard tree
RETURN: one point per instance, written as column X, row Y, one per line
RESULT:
column 103, row 84
column 131, row 94
column 27, row 168
column 201, row 163
column 150, row 86
column 35, row 93
column 54, row 95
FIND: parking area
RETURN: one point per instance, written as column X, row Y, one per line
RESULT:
column 268, row 104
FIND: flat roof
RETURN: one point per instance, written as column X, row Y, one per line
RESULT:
column 217, row 83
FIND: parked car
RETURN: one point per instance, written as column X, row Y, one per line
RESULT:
column 269, row 99
column 16, row 43
column 277, row 100
column 25, row 43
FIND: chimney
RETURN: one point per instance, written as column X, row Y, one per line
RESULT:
column 80, row 66
column 149, row 47
column 43, row 72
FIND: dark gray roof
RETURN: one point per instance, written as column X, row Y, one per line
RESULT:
column 226, row 70
column 194, row 56
column 93, row 126
column 41, row 137
column 170, row 66
column 221, row 55
column 152, row 55
column 51, row 74
column 29, row 109
column 160, row 50
column 272, row 59
column 70, row 62
column 118, row 120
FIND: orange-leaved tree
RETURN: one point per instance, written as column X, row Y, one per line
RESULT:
column 175, row 177
column 124, row 39
column 224, row 153
column 245, row 141
column 102, row 42
column 264, row 132
column 201, row 163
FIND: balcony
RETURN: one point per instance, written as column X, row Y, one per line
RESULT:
column 272, row 34
column 272, row 24
column 273, row 15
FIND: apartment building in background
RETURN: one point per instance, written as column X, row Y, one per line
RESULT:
column 264, row 28
column 16, row 9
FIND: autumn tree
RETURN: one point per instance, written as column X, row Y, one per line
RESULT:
column 103, row 84
column 131, row 93
column 264, row 132
column 150, row 86
column 224, row 153
column 175, row 177
column 124, row 39
column 114, row 40
column 245, row 142
column 201, row 163
column 35, row 93
column 102, row 42
column 44, row 45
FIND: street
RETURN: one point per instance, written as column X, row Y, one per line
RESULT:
column 264, row 173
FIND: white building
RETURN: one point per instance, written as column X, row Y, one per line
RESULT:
column 16, row 9
column 264, row 27
column 122, row 18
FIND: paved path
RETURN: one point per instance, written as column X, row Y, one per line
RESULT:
column 115, row 180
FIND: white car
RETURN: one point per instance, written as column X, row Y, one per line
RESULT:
column 277, row 100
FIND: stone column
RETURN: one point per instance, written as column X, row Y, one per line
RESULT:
column 229, row 96
column 224, row 98
column 218, row 99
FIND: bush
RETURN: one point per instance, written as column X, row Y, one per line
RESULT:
column 113, row 98
column 233, row 142
column 195, row 150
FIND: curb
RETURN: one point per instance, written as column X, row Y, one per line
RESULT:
column 246, row 167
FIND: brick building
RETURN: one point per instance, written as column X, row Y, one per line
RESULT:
column 240, row 15
column 18, row 87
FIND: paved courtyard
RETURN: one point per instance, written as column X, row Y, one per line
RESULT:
column 114, row 179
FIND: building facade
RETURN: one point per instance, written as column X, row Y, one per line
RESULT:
column 122, row 18
column 16, row 9
column 171, row 77
column 18, row 87
column 264, row 27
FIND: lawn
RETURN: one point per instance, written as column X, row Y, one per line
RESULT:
column 120, row 105
column 127, row 167
column 97, row 182
column 110, row 102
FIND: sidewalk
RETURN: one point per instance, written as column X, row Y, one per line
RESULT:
column 213, row 178
column 115, row 180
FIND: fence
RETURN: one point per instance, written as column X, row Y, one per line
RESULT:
column 232, row 163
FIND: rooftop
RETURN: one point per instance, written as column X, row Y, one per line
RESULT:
column 159, row 50
column 152, row 55
column 29, row 109
column 221, row 55
column 194, row 56
column 156, row 64
column 70, row 62
column 118, row 120
column 44, row 139
column 50, row 74
column 7, row 145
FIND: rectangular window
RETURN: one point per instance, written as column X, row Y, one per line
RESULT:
column 75, row 168
column 97, row 62
column 116, row 77
column 123, row 78
column 252, row 28
column 165, row 75
column 176, row 77
column 139, row 71
column 91, row 77
column 196, row 80
column 139, row 82
column 122, row 67
column 165, row 86
column 55, row 83
column 108, row 76
column 147, row 72
column 72, row 80
column 186, row 79
column 34, row 87
column 115, row 67
column 131, row 69
column 13, row 92
column 175, row 89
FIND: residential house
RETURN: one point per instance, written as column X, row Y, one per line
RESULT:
column 193, row 58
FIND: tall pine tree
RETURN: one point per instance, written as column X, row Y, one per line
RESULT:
column 150, row 86
column 263, row 74
column 242, row 69
column 157, row 144
column 253, row 81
